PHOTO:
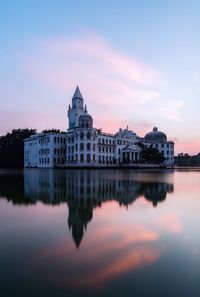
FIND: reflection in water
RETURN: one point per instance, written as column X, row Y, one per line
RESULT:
column 84, row 190
column 127, row 240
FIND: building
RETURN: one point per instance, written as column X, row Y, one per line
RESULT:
column 83, row 145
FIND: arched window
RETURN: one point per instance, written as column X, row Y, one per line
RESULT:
column 81, row 157
column 81, row 135
column 76, row 158
column 81, row 146
column 93, row 157
column 88, row 158
column 88, row 135
column 88, row 146
column 87, row 125
column 94, row 147
column 76, row 147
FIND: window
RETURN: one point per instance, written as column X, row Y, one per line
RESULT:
column 81, row 136
column 94, row 147
column 88, row 135
column 88, row 146
column 82, row 157
column 81, row 146
column 93, row 157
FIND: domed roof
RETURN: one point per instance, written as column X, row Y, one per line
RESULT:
column 85, row 121
column 155, row 136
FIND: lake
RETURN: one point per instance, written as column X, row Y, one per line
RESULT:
column 99, row 232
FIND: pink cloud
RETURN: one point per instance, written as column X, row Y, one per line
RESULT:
column 113, row 85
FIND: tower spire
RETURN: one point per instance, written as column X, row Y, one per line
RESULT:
column 77, row 94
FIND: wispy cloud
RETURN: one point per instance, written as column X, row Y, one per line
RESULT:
column 119, row 89
column 115, row 85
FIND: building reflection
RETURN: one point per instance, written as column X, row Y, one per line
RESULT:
column 84, row 190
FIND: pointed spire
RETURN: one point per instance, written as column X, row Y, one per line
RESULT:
column 85, row 108
column 77, row 94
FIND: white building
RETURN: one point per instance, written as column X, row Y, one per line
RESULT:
column 85, row 146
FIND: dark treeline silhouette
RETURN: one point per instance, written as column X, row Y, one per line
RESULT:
column 152, row 155
column 187, row 160
column 12, row 148
column 52, row 131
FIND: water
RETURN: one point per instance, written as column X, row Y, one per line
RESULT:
column 99, row 233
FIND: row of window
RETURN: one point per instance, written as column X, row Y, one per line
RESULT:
column 107, row 149
column 44, row 140
column 168, row 145
column 90, row 158
column 31, row 143
column 124, row 142
column 44, row 160
column 82, row 147
column 106, row 141
column 81, row 136
column 56, row 161
column 59, row 140
column 61, row 151
column 44, row 151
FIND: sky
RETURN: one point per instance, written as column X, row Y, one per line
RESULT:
column 137, row 63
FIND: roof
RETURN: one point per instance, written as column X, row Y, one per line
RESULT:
column 77, row 94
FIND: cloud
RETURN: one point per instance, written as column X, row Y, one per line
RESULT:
column 116, row 87
column 170, row 110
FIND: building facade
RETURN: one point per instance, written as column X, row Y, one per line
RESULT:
column 83, row 145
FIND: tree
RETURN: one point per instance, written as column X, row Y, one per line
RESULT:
column 12, row 148
column 51, row 130
column 152, row 155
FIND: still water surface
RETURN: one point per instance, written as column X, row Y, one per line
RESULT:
column 99, row 233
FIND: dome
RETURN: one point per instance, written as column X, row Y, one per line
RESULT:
column 85, row 121
column 155, row 136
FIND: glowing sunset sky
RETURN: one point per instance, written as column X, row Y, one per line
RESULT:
column 136, row 63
